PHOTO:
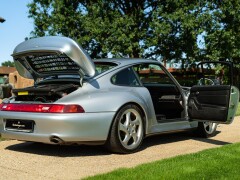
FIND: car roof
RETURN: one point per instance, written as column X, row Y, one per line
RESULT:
column 125, row 61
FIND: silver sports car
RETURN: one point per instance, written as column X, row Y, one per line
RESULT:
column 115, row 102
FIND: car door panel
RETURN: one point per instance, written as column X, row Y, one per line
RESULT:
column 211, row 103
column 213, row 95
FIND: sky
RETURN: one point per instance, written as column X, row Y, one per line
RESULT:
column 16, row 27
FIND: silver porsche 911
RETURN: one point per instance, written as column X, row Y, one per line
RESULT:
column 115, row 102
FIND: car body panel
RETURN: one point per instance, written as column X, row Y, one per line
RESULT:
column 93, row 99
column 233, row 104
column 68, row 127
column 46, row 56
column 183, row 124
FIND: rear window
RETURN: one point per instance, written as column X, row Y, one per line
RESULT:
column 100, row 68
column 125, row 77
column 103, row 66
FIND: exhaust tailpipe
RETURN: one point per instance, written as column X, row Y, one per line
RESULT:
column 56, row 140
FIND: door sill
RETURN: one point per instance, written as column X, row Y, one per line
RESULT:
column 170, row 120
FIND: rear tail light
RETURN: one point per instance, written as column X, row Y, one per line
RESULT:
column 43, row 108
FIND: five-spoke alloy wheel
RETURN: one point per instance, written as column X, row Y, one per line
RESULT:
column 127, row 131
column 206, row 129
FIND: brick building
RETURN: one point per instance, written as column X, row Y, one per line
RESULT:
column 4, row 72
column 18, row 81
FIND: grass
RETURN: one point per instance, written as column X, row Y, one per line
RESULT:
column 217, row 163
column 1, row 139
column 238, row 110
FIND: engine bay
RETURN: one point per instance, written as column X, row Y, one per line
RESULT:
column 44, row 93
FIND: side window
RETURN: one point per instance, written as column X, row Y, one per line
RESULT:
column 152, row 74
column 125, row 77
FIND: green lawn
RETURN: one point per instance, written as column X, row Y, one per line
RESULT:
column 238, row 110
column 217, row 163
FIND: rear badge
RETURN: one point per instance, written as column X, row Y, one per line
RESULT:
column 18, row 125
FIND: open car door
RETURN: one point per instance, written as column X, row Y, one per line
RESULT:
column 214, row 99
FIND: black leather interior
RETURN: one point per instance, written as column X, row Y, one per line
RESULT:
column 209, row 102
column 166, row 100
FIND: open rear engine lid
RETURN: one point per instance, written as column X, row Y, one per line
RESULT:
column 52, row 55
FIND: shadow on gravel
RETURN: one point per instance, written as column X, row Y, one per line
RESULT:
column 58, row 150
column 82, row 150
column 176, row 137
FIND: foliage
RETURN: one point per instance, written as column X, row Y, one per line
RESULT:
column 222, row 32
column 169, row 30
column 151, row 29
column 101, row 27
column 176, row 27
column 238, row 110
column 1, row 139
column 218, row 163
column 8, row 63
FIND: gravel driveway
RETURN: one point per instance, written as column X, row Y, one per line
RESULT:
column 20, row 160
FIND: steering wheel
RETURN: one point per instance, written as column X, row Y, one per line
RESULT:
column 205, row 81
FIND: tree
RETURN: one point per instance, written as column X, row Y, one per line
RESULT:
column 122, row 27
column 166, row 29
column 223, row 39
column 145, row 28
column 113, row 27
column 8, row 64
column 176, row 27
column 222, row 33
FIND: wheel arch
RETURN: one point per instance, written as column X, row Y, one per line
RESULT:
column 145, row 124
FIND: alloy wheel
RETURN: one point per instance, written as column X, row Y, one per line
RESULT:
column 130, row 129
column 209, row 127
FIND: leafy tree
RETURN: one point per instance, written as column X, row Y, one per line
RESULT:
column 222, row 33
column 122, row 27
column 114, row 27
column 180, row 30
column 176, row 27
column 8, row 64
column 151, row 29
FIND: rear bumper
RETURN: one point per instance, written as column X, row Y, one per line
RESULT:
column 77, row 127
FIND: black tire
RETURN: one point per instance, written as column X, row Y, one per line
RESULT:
column 127, row 131
column 206, row 129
